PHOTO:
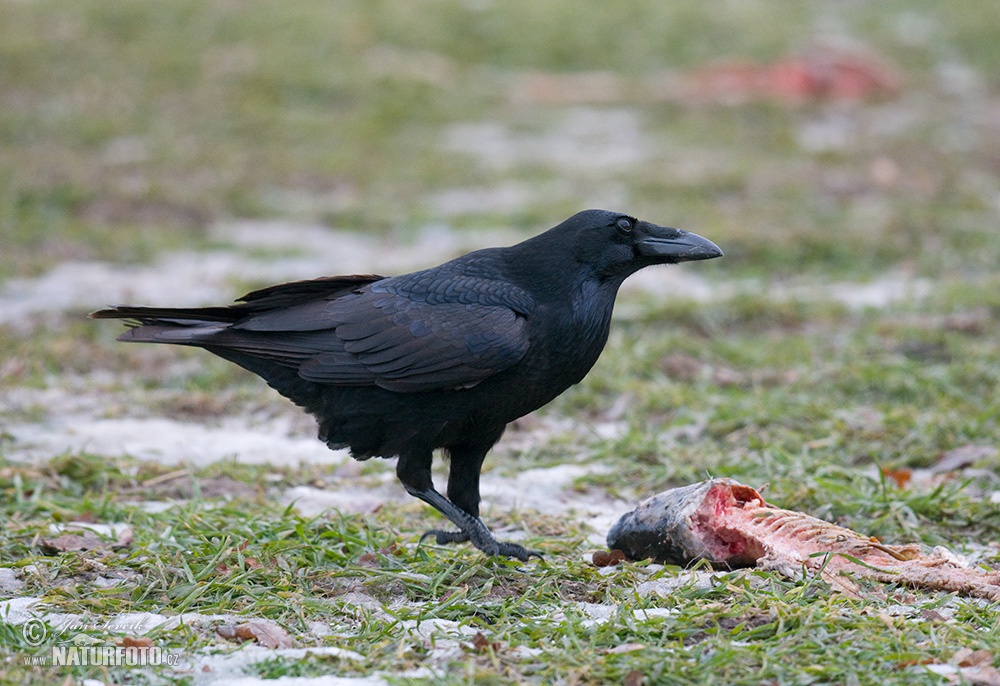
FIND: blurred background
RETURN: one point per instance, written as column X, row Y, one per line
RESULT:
column 806, row 138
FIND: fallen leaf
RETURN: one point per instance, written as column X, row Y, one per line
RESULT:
column 368, row 560
column 966, row 657
column 967, row 322
column 900, row 477
column 933, row 616
column 267, row 634
column 727, row 378
column 125, row 537
column 963, row 456
column 635, row 678
column 136, row 642
column 86, row 540
column 682, row 367
column 842, row 583
column 481, row 644
column 83, row 539
column 984, row 675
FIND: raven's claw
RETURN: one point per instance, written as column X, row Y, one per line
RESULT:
column 483, row 540
column 444, row 537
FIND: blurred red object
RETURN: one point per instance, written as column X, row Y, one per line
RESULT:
column 821, row 74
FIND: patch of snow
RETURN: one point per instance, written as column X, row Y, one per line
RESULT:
column 169, row 441
column 106, row 529
column 433, row 627
column 613, row 136
column 666, row 586
column 224, row 669
column 549, row 490
column 17, row 611
column 913, row 28
column 504, row 197
column 9, row 581
column 367, row 603
column 310, row 501
column 959, row 79
column 878, row 293
column 832, row 131
column 674, row 282
column 542, row 489
column 155, row 506
column 189, row 278
column 596, row 613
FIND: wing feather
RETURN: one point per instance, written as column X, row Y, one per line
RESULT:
column 404, row 337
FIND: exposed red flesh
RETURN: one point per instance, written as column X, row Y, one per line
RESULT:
column 731, row 525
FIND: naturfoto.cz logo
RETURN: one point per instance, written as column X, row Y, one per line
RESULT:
column 35, row 632
column 105, row 656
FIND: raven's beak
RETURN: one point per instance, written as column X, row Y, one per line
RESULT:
column 673, row 245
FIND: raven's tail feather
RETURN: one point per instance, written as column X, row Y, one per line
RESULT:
column 201, row 327
column 177, row 325
column 179, row 315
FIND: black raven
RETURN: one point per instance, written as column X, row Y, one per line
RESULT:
column 440, row 358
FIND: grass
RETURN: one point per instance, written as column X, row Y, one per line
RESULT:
column 251, row 558
column 129, row 129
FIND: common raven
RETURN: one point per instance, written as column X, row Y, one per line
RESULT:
column 440, row 358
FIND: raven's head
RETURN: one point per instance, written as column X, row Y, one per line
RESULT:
column 616, row 245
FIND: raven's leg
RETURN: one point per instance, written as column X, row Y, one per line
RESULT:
column 463, row 487
column 463, row 484
column 414, row 471
column 463, row 476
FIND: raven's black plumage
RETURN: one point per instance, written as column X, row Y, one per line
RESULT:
column 440, row 358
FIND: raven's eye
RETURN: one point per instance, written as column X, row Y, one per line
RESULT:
column 624, row 224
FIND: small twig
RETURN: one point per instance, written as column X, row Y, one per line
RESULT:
column 163, row 478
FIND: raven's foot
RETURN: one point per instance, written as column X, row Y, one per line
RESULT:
column 514, row 550
column 483, row 540
column 471, row 528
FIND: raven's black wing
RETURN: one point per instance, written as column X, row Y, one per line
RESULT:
column 427, row 331
column 419, row 332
